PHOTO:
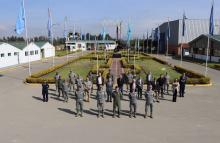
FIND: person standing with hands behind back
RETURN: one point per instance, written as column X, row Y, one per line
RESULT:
column 45, row 88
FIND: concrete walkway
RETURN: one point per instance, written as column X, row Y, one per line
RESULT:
column 116, row 68
column 24, row 118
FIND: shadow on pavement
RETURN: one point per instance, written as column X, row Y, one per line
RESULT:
column 51, row 89
column 37, row 98
column 57, row 98
column 67, row 111
column 90, row 112
column 106, row 113
column 1, row 75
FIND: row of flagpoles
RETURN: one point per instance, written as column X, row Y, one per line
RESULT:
column 21, row 26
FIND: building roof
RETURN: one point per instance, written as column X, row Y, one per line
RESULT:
column 19, row 45
column 40, row 44
column 214, row 38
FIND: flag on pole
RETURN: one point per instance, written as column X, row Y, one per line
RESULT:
column 49, row 25
column 211, row 21
column 65, row 31
column 184, row 24
column 103, row 33
column 129, row 34
column 20, row 23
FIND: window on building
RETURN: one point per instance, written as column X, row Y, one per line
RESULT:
column 15, row 53
column 36, row 52
column 32, row 53
column 9, row 54
column 26, row 53
column 2, row 55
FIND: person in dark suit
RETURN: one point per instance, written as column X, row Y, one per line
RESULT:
column 182, row 84
column 45, row 87
column 139, row 85
column 160, row 81
column 120, row 82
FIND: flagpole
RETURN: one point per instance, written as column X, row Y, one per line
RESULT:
column 26, row 36
column 207, row 56
column 143, row 43
column 147, row 44
column 97, row 65
column 158, row 41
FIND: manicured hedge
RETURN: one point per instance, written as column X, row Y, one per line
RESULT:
column 38, row 77
column 194, row 78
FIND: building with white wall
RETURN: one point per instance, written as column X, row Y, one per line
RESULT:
column 15, row 53
column 9, row 55
column 47, row 49
column 198, row 48
column 74, row 45
column 28, row 52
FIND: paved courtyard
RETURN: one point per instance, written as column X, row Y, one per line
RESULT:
column 26, row 119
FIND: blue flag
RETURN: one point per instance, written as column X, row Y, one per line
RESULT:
column 184, row 24
column 20, row 23
column 49, row 25
column 129, row 34
column 65, row 31
column 211, row 21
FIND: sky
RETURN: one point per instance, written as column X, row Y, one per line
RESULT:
column 91, row 15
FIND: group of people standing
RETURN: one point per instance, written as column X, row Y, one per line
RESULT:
column 82, row 90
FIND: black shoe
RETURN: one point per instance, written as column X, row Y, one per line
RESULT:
column 130, row 116
column 145, row 116
column 134, row 116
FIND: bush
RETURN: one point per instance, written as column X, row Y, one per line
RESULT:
column 160, row 61
column 39, row 80
column 194, row 78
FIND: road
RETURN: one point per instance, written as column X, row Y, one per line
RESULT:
column 26, row 119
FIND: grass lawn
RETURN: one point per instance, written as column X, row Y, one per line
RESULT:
column 156, row 68
column 61, row 53
column 81, row 67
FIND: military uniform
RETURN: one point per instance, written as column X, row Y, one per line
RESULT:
column 109, row 90
column 56, row 77
column 65, row 91
column 72, row 81
column 130, row 79
column 88, row 89
column 79, row 101
column 133, row 103
column 60, row 87
column 79, row 82
column 116, row 102
column 100, row 101
column 149, row 96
